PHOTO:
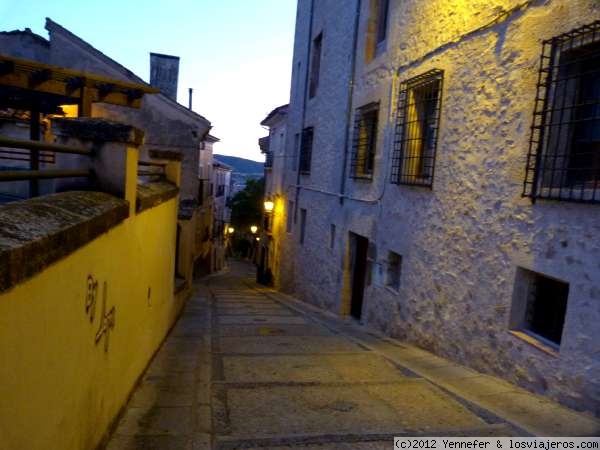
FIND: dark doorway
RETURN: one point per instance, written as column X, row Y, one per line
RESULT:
column 360, row 248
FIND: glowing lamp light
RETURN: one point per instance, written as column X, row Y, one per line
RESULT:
column 258, row 239
column 269, row 206
column 253, row 229
column 70, row 110
column 230, row 230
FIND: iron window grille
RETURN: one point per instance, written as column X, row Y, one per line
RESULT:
column 417, row 124
column 563, row 162
column 365, row 141
column 306, row 150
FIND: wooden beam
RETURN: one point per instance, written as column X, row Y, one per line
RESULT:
column 43, row 78
column 21, row 80
column 62, row 73
column 74, row 83
column 104, row 89
column 42, row 146
column 85, row 102
column 38, row 77
column 21, row 175
column 6, row 67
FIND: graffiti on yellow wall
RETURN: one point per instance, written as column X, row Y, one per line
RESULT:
column 107, row 318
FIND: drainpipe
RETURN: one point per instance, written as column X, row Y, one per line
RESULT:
column 304, row 101
column 349, row 109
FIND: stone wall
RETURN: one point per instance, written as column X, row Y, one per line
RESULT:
column 462, row 241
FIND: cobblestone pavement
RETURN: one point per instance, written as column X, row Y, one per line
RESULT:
column 246, row 367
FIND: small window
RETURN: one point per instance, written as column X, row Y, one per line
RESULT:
column 540, row 305
column 417, row 126
column 302, row 224
column 376, row 28
column 290, row 217
column 564, row 153
column 382, row 19
column 298, row 79
column 315, row 65
column 306, row 149
column 332, row 236
column 365, row 141
column 394, row 269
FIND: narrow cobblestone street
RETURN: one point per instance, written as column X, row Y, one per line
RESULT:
column 247, row 367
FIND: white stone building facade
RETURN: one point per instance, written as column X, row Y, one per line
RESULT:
column 221, row 186
column 409, row 199
column 278, row 169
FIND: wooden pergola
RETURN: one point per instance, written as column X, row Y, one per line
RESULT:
column 42, row 88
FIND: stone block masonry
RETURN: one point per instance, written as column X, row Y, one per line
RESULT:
column 466, row 241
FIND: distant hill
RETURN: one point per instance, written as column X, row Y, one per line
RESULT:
column 243, row 170
column 242, row 165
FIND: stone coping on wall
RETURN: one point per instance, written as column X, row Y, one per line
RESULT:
column 165, row 154
column 96, row 129
column 152, row 194
column 37, row 232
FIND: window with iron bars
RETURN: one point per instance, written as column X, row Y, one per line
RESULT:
column 365, row 141
column 563, row 162
column 306, row 150
column 417, row 124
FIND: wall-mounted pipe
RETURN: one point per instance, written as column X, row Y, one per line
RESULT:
column 349, row 107
column 304, row 101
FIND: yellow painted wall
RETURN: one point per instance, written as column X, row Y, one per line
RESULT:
column 58, row 388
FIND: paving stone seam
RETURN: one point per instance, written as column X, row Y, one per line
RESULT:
column 336, row 331
column 235, row 442
column 364, row 352
column 221, row 424
column 476, row 407
column 209, row 340
column 255, row 384
column 325, row 319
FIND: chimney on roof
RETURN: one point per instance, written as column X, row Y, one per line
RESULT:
column 164, row 73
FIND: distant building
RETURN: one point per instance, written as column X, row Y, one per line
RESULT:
column 204, row 254
column 171, row 130
column 447, row 180
column 221, row 182
column 277, row 183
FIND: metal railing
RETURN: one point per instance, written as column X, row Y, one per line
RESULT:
column 38, row 146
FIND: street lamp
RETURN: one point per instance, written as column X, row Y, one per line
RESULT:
column 253, row 229
column 269, row 206
column 230, row 230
